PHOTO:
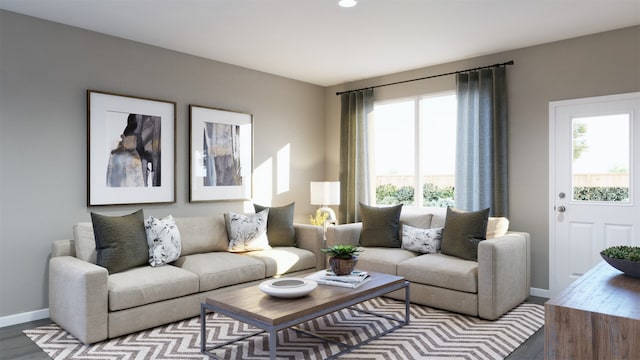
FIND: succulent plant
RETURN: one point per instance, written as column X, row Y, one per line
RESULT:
column 343, row 251
column 630, row 253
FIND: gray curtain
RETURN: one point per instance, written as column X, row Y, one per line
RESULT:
column 481, row 153
column 354, row 159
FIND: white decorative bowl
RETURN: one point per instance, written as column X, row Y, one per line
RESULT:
column 287, row 287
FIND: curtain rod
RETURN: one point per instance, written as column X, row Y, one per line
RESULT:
column 428, row 77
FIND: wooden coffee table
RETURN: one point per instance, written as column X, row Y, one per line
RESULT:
column 252, row 306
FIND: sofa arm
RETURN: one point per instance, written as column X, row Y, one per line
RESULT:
column 503, row 274
column 344, row 234
column 78, row 298
column 310, row 237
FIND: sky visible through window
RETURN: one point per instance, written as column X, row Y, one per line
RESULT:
column 395, row 129
column 607, row 144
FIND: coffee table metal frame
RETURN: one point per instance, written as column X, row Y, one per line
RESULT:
column 273, row 329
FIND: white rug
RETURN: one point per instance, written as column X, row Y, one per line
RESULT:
column 432, row 334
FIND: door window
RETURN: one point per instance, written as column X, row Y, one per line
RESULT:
column 601, row 149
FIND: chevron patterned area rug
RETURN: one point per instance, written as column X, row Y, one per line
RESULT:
column 432, row 334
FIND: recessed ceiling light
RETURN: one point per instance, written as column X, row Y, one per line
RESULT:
column 348, row 3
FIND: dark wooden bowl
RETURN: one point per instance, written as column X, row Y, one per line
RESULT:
column 630, row 268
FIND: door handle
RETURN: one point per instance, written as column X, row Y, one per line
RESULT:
column 562, row 209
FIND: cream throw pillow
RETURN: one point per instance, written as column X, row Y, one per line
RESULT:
column 247, row 232
column 497, row 226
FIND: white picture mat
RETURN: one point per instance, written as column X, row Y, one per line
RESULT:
column 199, row 117
column 106, row 106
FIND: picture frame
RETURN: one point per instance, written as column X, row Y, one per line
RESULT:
column 131, row 146
column 220, row 154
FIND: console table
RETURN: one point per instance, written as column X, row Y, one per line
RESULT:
column 597, row 317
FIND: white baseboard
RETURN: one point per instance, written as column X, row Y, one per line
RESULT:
column 540, row 293
column 23, row 317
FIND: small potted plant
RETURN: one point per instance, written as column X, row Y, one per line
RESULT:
column 623, row 258
column 342, row 258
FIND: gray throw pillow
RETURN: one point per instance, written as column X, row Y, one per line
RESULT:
column 380, row 226
column 463, row 231
column 280, row 230
column 121, row 241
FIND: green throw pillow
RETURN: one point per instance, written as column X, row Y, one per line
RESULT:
column 280, row 229
column 380, row 226
column 463, row 231
column 121, row 241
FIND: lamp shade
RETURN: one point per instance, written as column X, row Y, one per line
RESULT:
column 325, row 193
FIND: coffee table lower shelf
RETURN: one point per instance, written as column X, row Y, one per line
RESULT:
column 273, row 329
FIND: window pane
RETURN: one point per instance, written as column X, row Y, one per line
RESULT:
column 438, row 119
column 601, row 158
column 394, row 152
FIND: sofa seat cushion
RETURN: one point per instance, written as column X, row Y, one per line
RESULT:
column 219, row 269
column 145, row 285
column 441, row 270
column 284, row 259
column 383, row 259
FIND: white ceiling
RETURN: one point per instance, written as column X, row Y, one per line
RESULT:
column 318, row 42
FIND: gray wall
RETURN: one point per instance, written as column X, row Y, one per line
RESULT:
column 45, row 70
column 601, row 64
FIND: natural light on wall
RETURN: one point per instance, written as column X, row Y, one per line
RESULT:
column 262, row 192
column 283, row 163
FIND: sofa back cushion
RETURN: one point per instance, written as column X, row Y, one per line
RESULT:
column 439, row 216
column 84, row 242
column 200, row 234
column 416, row 220
column 197, row 235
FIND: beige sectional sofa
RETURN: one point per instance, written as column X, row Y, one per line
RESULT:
column 489, row 287
column 94, row 305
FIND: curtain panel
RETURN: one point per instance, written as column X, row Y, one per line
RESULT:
column 481, row 146
column 354, row 155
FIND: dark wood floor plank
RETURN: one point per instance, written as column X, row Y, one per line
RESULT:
column 14, row 345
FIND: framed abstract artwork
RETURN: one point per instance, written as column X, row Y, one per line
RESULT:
column 220, row 154
column 130, row 150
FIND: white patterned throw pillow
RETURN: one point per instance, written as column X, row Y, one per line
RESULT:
column 247, row 232
column 426, row 241
column 163, row 238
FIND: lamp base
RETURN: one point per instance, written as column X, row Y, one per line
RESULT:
column 331, row 218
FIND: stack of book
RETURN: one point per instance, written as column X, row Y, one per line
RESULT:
column 328, row 277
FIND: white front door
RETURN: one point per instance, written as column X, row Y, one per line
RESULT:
column 594, row 182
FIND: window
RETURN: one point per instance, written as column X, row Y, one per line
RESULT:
column 601, row 158
column 413, row 145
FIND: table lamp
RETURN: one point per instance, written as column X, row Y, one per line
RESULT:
column 325, row 193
